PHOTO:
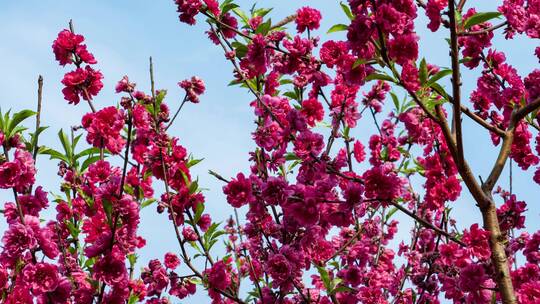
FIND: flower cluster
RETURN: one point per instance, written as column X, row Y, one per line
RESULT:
column 83, row 82
column 315, row 215
column 312, row 203
column 194, row 88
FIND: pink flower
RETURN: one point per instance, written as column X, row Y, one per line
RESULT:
column 204, row 222
column 471, row 278
column 332, row 51
column 18, row 173
column 409, row 77
column 257, row 57
column 532, row 249
column 194, row 88
column 83, row 83
column 9, row 173
column 474, row 45
column 376, row 96
column 219, row 276
column 392, row 20
column 308, row 145
column 359, row 33
column 238, row 191
column 125, row 86
column 358, row 150
column 433, row 11
column 521, row 150
column 312, row 110
column 213, row 7
column 188, row 9
column 155, row 277
column 111, row 268
column 403, row 48
column 104, row 129
column 510, row 214
column 189, row 234
column 529, row 293
column 478, row 241
column 307, row 18
column 17, row 239
column 532, row 84
column 33, row 204
column 68, row 44
column 171, row 260
column 43, row 277
column 231, row 22
column 382, row 183
column 100, row 172
column 279, row 268
column 62, row 292
column 522, row 16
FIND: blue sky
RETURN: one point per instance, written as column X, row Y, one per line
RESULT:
column 123, row 34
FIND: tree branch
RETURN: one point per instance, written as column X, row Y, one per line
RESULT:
column 456, row 81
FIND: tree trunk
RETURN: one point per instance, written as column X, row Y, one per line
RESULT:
column 498, row 253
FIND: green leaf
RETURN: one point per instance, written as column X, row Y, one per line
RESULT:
column 17, row 130
column 53, row 154
column 439, row 75
column 132, row 258
column 357, row 63
column 264, row 27
column 337, row 28
column 262, row 12
column 325, row 278
column 346, row 132
column 5, row 121
column 342, row 288
column 160, row 97
column 65, row 142
column 89, row 161
column 193, row 162
column 347, row 10
column 148, row 202
column 76, row 141
column 377, row 76
column 226, row 6
column 238, row 12
column 240, row 49
column 395, row 100
column 390, row 213
column 423, row 73
column 294, row 164
column 291, row 95
column 198, row 212
column 291, row 156
column 73, row 230
column 20, row 117
column 133, row 299
column 285, row 81
column 465, row 60
column 193, row 187
column 89, row 151
column 480, row 18
column 108, row 208
column 440, row 90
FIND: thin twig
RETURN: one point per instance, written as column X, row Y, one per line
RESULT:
column 38, row 116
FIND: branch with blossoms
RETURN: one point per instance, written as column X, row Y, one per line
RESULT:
column 279, row 69
column 315, row 217
column 88, row 253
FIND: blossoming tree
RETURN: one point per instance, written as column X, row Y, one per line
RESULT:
column 319, row 204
